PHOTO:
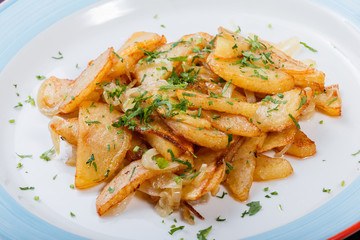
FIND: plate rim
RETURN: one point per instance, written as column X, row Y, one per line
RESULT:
column 346, row 9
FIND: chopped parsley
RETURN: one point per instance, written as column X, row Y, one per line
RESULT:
column 162, row 162
column 40, row 77
column 218, row 219
column 354, row 154
column 174, row 159
column 60, row 56
column 111, row 190
column 203, row 233
column 308, row 47
column 30, row 100
column 27, row 188
column 48, row 154
column 24, row 156
column 254, row 207
column 174, row 229
column 132, row 173
column 91, row 162
column 12, row 121
column 72, row 214
column 294, row 120
column 36, row 198
column 326, row 190
column 302, row 102
column 332, row 100
column 19, row 105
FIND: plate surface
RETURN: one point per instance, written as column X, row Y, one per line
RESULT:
column 301, row 210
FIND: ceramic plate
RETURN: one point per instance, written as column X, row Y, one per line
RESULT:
column 33, row 32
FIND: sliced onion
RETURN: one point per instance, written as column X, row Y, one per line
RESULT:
column 250, row 96
column 228, row 93
column 120, row 207
column 283, row 151
column 289, row 46
column 309, row 62
column 148, row 162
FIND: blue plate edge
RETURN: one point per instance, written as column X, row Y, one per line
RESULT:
column 347, row 10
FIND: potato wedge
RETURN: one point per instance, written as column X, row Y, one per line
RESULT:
column 207, row 138
column 101, row 147
column 232, row 124
column 278, row 139
column 127, row 181
column 161, row 137
column 276, row 114
column 268, row 168
column 209, row 169
column 240, row 176
column 329, row 101
column 216, row 103
column 87, row 82
column 253, row 79
column 229, row 44
column 130, row 53
column 302, row 146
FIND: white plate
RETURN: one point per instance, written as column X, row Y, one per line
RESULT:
column 83, row 35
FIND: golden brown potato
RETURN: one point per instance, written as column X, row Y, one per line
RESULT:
column 209, row 168
column 278, row 139
column 127, row 181
column 207, row 138
column 229, row 44
column 269, row 81
column 130, row 53
column 220, row 104
column 232, row 124
column 315, row 80
column 277, row 113
column 268, row 168
column 329, row 101
column 101, row 148
column 240, row 174
column 159, row 136
column 302, row 146
column 148, row 70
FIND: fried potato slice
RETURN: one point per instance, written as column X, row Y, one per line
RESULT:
column 269, row 81
column 220, row 104
column 278, row 139
column 160, row 64
column 232, row 124
column 133, row 50
column 268, row 168
column 212, row 139
column 315, row 80
column 229, row 44
column 209, row 169
column 302, row 146
column 161, row 137
column 329, row 101
column 101, row 147
column 127, row 181
column 87, row 82
column 276, row 114
column 243, row 163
